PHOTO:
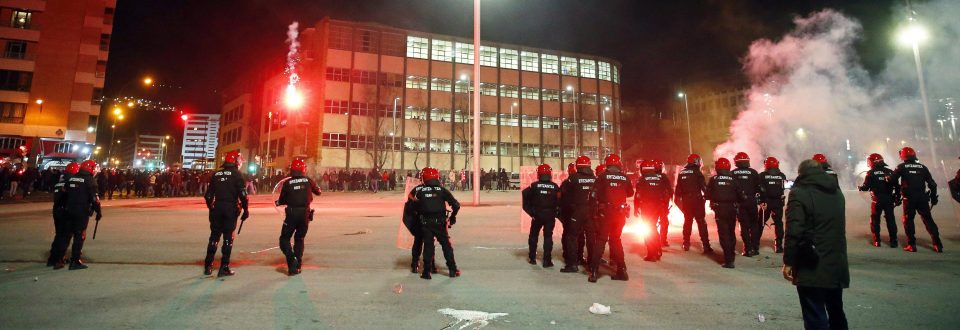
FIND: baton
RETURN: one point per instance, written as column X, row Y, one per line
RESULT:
column 241, row 226
column 95, row 226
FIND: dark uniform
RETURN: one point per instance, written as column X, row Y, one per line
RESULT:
column 651, row 201
column 611, row 191
column 79, row 201
column 688, row 196
column 724, row 194
column 575, row 197
column 772, row 201
column 430, row 201
column 61, row 225
column 225, row 197
column 750, row 225
column 884, row 193
column 541, row 201
column 297, row 194
column 914, row 179
column 411, row 220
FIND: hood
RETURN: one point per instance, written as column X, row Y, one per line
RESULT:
column 816, row 177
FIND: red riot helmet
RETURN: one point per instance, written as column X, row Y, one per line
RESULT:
column 72, row 168
column 648, row 167
column 722, row 164
column 694, row 159
column 820, row 158
column 571, row 168
column 874, row 159
column 771, row 162
column 658, row 165
column 429, row 173
column 298, row 165
column 907, row 153
column 544, row 169
column 233, row 157
column 601, row 168
column 583, row 161
column 613, row 160
column 741, row 157
column 89, row 166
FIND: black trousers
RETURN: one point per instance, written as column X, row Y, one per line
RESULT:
column 607, row 228
column 649, row 213
column 435, row 227
column 62, row 233
column 693, row 210
column 74, row 226
column 750, row 225
column 822, row 308
column 546, row 225
column 572, row 239
column 726, row 215
column 774, row 210
column 886, row 209
column 295, row 226
column 910, row 210
column 223, row 221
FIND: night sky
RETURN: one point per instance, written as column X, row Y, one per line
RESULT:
column 195, row 48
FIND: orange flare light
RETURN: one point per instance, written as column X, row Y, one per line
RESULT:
column 293, row 98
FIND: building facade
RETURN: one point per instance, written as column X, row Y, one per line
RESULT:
column 711, row 113
column 377, row 96
column 52, row 72
column 145, row 152
column 200, row 141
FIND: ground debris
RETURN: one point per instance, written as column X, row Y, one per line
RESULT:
column 362, row 232
column 599, row 309
column 467, row 318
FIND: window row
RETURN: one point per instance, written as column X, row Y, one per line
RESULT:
column 511, row 91
column 505, row 119
column 364, row 77
column 344, row 107
column 449, row 51
column 345, row 37
column 232, row 115
column 231, row 136
column 276, row 148
column 12, row 113
column 7, row 143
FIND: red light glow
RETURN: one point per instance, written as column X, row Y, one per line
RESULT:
column 184, row 117
column 293, row 98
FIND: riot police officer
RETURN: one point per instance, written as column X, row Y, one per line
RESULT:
column 80, row 200
column 430, row 200
column 575, row 195
column 688, row 196
column 225, row 198
column 60, row 220
column 822, row 159
column 885, row 194
column 663, row 223
column 724, row 193
column 772, row 199
column 652, row 193
column 541, row 201
column 297, row 194
column 610, row 192
column 915, row 180
column 750, row 225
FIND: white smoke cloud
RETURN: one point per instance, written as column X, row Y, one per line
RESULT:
column 810, row 94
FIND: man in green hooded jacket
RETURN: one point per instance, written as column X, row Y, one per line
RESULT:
column 815, row 248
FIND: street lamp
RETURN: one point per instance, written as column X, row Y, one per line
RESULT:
column 511, row 137
column 393, row 136
column 686, row 107
column 913, row 34
column 40, row 103
column 576, row 128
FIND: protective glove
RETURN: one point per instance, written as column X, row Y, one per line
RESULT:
column 934, row 200
column 246, row 214
column 897, row 201
column 99, row 216
column 453, row 220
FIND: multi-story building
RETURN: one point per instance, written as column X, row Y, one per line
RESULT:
column 52, row 71
column 378, row 96
column 200, row 141
column 238, row 121
column 144, row 152
column 711, row 113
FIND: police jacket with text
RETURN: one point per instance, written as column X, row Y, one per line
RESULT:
column 298, row 191
column 541, row 200
column 612, row 188
column 879, row 182
column 227, row 189
column 749, row 181
column 771, row 185
column 575, row 193
column 80, row 194
column 914, row 179
column 691, row 184
column 652, row 188
column 430, row 199
column 723, row 188
column 59, row 190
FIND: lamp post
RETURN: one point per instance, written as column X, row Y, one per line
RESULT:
column 393, row 136
column 476, row 100
column 912, row 35
column 686, row 107
column 576, row 128
column 511, row 138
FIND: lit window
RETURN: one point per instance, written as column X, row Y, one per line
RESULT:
column 530, row 93
column 464, row 86
column 509, row 119
column 551, row 122
column 415, row 82
column 508, row 91
column 550, row 95
column 415, row 113
column 441, row 115
column 549, row 63
column 464, row 53
column 508, row 58
column 417, row 47
column 442, row 50
column 488, row 89
column 588, row 98
column 531, row 121
column 439, row 84
column 529, row 61
column 487, row 118
column 603, row 70
column 488, row 56
column 568, row 66
column 588, row 68
column 341, row 37
column 616, row 75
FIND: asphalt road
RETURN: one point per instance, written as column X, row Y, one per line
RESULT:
column 145, row 272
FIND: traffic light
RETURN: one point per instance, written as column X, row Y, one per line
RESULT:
column 252, row 169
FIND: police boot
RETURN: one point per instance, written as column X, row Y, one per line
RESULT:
column 413, row 267
column 876, row 240
column 685, row 246
column 728, row 265
column 291, row 265
column 77, row 264
column 207, row 269
column 937, row 245
column 51, row 261
column 594, row 275
column 910, row 248
column 569, row 269
column 706, row 248
column 621, row 274
column 454, row 272
column 778, row 246
column 547, row 261
column 60, row 264
column 225, row 271
column 532, row 259
column 893, row 243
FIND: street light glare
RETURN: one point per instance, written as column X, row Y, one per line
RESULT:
column 130, row 104
column 913, row 34
column 39, row 101
column 116, row 111
column 148, row 81
column 681, row 95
